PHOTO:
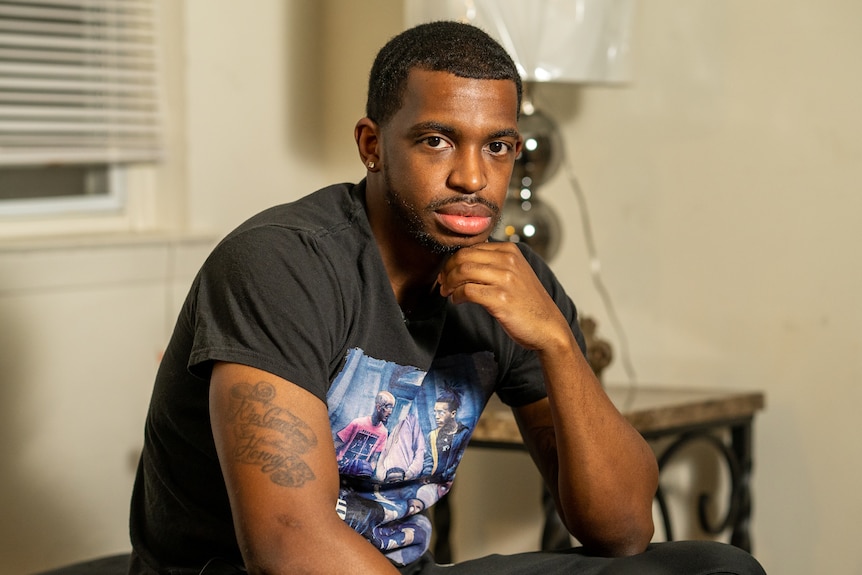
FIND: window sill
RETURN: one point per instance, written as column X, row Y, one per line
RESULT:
column 103, row 240
column 99, row 260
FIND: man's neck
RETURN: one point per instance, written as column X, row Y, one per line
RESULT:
column 411, row 267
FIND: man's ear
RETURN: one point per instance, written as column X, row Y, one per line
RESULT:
column 519, row 145
column 367, row 136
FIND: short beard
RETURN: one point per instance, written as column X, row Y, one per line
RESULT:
column 411, row 219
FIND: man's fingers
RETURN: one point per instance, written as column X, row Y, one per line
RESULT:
column 489, row 264
column 482, row 294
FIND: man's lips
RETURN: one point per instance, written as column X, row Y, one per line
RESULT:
column 465, row 219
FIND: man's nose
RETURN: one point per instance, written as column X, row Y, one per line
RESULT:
column 468, row 172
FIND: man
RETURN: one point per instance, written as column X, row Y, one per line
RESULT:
column 404, row 454
column 307, row 308
column 446, row 443
column 359, row 445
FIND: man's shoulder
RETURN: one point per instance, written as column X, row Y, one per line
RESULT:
column 317, row 239
column 330, row 222
column 319, row 213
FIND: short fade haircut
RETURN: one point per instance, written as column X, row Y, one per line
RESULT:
column 445, row 46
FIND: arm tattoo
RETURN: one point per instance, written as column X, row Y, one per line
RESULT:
column 268, row 436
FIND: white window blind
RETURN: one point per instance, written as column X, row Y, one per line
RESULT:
column 78, row 82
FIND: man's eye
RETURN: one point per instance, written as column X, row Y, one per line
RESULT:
column 434, row 141
column 498, row 147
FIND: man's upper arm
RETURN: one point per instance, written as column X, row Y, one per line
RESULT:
column 277, row 456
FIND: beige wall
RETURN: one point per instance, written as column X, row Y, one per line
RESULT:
column 723, row 185
column 725, row 190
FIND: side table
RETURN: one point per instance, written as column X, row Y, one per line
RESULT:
column 680, row 416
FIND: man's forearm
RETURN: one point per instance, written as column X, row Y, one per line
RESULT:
column 606, row 472
column 601, row 470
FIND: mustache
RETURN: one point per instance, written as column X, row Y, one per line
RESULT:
column 469, row 201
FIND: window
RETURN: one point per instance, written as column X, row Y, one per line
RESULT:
column 78, row 101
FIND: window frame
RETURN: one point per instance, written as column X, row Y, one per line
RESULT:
column 112, row 201
column 116, row 208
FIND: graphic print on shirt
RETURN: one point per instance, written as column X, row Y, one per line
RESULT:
column 399, row 435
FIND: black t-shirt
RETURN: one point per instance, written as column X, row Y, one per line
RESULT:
column 300, row 291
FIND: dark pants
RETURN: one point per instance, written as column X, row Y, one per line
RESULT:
column 674, row 558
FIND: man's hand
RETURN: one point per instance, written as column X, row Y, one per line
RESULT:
column 499, row 278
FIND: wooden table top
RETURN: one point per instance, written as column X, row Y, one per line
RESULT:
column 650, row 409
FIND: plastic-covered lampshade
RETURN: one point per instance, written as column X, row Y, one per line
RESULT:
column 578, row 41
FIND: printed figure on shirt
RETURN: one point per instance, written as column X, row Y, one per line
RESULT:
column 447, row 441
column 360, row 443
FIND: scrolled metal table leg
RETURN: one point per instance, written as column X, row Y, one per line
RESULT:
column 665, row 513
column 741, row 444
column 738, row 459
column 555, row 536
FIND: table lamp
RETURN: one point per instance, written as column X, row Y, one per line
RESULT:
column 567, row 41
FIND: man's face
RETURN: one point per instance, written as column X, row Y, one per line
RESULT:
column 442, row 413
column 384, row 409
column 447, row 158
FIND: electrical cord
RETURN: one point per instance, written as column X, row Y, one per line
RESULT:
column 598, row 281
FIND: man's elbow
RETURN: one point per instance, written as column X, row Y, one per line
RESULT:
column 625, row 538
column 632, row 543
column 290, row 544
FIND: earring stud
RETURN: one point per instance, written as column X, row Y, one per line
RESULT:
column 370, row 164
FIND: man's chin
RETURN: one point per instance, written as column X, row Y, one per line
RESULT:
column 449, row 246
column 436, row 246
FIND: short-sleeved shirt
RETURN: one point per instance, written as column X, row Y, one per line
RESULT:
column 300, row 291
